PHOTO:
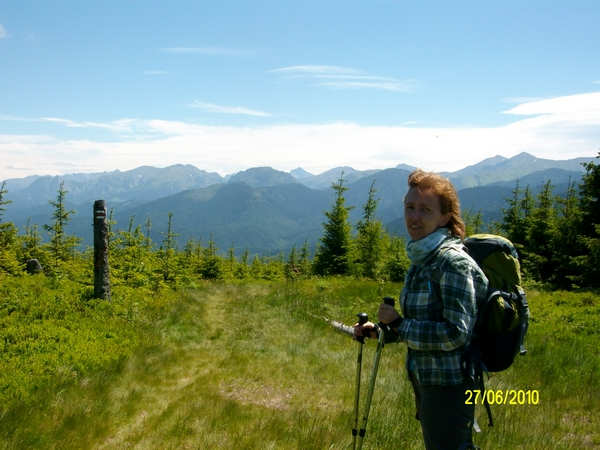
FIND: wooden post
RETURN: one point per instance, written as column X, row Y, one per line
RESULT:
column 101, row 272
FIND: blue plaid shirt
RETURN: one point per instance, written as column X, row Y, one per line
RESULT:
column 437, row 332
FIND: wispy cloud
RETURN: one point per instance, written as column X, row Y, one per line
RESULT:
column 3, row 33
column 318, row 70
column 123, row 125
column 228, row 109
column 519, row 100
column 213, row 51
column 117, row 125
column 335, row 77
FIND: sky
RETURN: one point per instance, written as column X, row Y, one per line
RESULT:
column 90, row 86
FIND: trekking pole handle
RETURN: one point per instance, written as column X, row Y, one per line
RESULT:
column 388, row 301
column 362, row 319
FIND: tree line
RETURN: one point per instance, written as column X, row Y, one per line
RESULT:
column 558, row 240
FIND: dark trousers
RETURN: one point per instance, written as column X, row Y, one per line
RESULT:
column 446, row 421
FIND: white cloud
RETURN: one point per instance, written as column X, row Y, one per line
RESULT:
column 228, row 109
column 3, row 33
column 521, row 99
column 119, row 126
column 388, row 86
column 560, row 105
column 335, row 77
column 559, row 128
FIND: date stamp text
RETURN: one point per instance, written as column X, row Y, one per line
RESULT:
column 502, row 397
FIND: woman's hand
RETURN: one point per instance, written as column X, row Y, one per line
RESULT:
column 367, row 329
column 388, row 315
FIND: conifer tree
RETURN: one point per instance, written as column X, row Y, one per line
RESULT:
column 515, row 221
column 212, row 268
column 539, row 255
column 305, row 265
column 131, row 261
column 256, row 268
column 31, row 244
column 3, row 192
column 590, row 198
column 473, row 223
column 370, row 242
column 8, row 250
column 8, row 240
column 291, row 267
column 148, row 228
column 196, row 256
column 566, row 240
column 587, row 264
column 61, row 245
column 273, row 267
column 243, row 268
column 231, row 263
column 169, row 250
column 333, row 255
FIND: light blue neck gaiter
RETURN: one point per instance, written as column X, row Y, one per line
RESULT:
column 418, row 251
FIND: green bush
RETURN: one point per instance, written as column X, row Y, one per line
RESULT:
column 51, row 327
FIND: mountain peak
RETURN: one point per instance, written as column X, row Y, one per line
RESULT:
column 262, row 177
column 300, row 173
column 406, row 167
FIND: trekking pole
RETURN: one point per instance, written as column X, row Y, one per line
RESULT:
column 362, row 319
column 380, row 343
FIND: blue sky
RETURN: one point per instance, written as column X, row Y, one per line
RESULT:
column 99, row 85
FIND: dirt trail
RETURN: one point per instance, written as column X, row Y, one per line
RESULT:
column 157, row 389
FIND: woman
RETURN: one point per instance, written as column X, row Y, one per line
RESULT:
column 436, row 327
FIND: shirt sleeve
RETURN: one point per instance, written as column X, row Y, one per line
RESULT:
column 459, row 284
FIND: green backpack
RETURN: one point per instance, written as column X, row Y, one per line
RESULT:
column 503, row 319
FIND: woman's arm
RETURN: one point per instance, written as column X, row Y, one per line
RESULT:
column 454, row 309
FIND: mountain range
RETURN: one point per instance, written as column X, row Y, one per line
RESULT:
column 263, row 209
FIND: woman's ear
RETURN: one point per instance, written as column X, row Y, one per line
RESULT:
column 444, row 221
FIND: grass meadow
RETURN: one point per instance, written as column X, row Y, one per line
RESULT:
column 254, row 366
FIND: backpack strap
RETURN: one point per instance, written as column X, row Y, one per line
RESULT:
column 524, row 319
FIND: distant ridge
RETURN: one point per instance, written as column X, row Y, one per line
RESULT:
column 324, row 180
column 142, row 183
column 264, row 209
column 500, row 169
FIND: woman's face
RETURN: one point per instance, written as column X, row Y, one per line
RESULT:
column 423, row 213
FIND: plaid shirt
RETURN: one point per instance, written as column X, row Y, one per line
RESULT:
column 437, row 332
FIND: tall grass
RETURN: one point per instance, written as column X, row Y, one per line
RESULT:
column 253, row 366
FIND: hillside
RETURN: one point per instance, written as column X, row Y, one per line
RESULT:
column 261, row 219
